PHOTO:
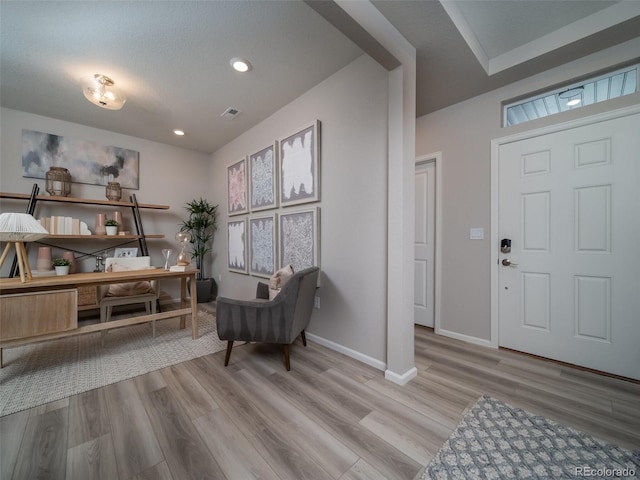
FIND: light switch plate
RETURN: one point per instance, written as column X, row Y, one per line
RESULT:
column 476, row 233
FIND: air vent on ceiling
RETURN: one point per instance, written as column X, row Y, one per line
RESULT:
column 231, row 113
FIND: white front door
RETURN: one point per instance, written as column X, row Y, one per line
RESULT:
column 569, row 202
column 424, row 244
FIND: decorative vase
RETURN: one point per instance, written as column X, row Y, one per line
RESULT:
column 62, row 270
column 44, row 259
column 58, row 182
column 111, row 230
column 117, row 216
column 72, row 259
column 100, row 218
column 114, row 191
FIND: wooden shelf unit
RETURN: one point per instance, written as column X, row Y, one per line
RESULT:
column 34, row 198
column 84, row 201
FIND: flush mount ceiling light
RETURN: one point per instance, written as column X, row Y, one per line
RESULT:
column 101, row 91
column 240, row 64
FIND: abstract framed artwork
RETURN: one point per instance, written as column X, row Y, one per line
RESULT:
column 237, row 188
column 299, row 166
column 299, row 238
column 263, row 168
column 262, row 245
column 237, row 245
column 88, row 162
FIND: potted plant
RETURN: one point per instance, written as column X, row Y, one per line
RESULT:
column 111, row 227
column 201, row 225
column 61, row 265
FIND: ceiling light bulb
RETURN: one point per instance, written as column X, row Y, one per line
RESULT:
column 240, row 64
column 573, row 102
column 179, row 132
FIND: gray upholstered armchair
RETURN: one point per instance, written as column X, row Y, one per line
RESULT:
column 280, row 320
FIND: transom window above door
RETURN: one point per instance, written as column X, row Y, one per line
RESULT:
column 598, row 89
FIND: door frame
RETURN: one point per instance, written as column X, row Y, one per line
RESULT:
column 495, row 157
column 436, row 159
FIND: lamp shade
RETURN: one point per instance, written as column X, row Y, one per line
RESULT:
column 20, row 227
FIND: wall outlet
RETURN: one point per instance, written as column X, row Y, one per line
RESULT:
column 316, row 303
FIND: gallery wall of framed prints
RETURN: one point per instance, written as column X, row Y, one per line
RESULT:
column 264, row 233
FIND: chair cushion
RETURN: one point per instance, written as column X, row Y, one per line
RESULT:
column 278, row 279
column 127, row 289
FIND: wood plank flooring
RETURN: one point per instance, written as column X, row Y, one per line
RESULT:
column 331, row 417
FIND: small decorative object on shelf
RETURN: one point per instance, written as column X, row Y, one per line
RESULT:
column 44, row 259
column 100, row 218
column 117, row 216
column 166, row 252
column 72, row 261
column 111, row 226
column 61, row 265
column 58, row 182
column 114, row 191
column 183, row 257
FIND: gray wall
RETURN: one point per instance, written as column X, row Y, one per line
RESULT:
column 463, row 134
column 352, row 108
column 168, row 176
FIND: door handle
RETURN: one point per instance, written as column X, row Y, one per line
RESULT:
column 508, row 263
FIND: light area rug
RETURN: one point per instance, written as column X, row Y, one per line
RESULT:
column 40, row 373
column 497, row 441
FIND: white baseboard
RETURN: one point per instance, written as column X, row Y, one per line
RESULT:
column 377, row 364
column 466, row 338
column 401, row 379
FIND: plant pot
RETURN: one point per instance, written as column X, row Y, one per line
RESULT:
column 111, row 230
column 62, row 270
column 207, row 290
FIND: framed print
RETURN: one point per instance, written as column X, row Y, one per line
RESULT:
column 299, row 238
column 262, row 168
column 262, row 245
column 125, row 252
column 299, row 166
column 237, row 251
column 237, row 188
column 88, row 162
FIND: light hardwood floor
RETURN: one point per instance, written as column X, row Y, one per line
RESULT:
column 330, row 417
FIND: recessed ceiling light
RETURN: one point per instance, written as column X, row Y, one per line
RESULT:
column 179, row 132
column 240, row 64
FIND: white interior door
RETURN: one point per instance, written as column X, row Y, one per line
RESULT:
column 570, row 203
column 424, row 244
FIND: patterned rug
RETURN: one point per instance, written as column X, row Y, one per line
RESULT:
column 497, row 441
column 40, row 373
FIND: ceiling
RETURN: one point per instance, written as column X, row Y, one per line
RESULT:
column 172, row 57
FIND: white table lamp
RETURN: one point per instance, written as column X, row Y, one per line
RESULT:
column 17, row 228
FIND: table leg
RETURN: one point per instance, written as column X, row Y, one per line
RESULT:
column 194, row 308
column 183, row 300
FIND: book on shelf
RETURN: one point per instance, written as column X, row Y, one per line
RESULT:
column 59, row 225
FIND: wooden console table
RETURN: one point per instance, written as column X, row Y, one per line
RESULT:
column 45, row 308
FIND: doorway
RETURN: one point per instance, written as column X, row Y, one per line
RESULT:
column 566, row 238
column 425, row 242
